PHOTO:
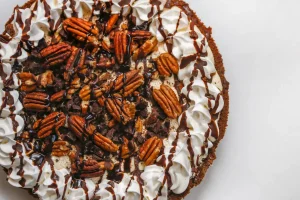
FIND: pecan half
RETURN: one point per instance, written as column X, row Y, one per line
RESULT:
column 37, row 102
column 145, row 49
column 167, row 64
column 61, row 148
column 76, row 59
column 82, row 30
column 125, row 83
column 168, row 101
column 121, row 43
column 28, row 81
column 90, row 168
column 85, row 95
column 111, row 22
column 78, row 125
column 150, row 150
column 58, row 97
column 45, row 79
column 120, row 109
column 128, row 148
column 49, row 124
column 140, row 35
column 56, row 54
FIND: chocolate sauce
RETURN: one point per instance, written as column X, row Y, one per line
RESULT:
column 26, row 28
column 67, row 177
column 123, row 3
column 19, row 18
column 18, row 150
column 7, row 99
column 54, row 177
column 187, row 60
column 72, row 5
column 111, row 190
column 5, row 39
column 48, row 15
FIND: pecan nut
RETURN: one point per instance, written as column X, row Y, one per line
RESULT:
column 74, row 87
column 128, row 148
column 150, row 150
column 90, row 168
column 85, row 95
column 82, row 30
column 106, row 44
column 78, row 125
column 51, row 123
column 167, row 64
column 37, row 102
column 76, row 59
column 121, row 45
column 58, row 97
column 120, row 109
column 56, row 54
column 167, row 100
column 61, row 148
column 145, row 49
column 45, row 79
column 28, row 81
column 106, row 62
column 139, row 125
column 111, row 22
column 125, row 83
column 140, row 35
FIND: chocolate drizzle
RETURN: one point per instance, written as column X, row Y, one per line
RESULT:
column 48, row 15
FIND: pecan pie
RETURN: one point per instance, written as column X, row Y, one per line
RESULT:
column 109, row 99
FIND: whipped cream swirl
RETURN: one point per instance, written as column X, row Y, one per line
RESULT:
column 197, row 129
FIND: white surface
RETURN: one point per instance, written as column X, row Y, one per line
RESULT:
column 260, row 43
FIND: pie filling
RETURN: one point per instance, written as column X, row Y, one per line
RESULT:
column 109, row 99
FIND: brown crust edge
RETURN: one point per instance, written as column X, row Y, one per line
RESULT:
column 221, row 71
column 224, row 114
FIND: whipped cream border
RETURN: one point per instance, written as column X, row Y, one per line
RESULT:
column 178, row 158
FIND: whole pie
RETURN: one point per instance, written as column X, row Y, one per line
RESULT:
column 109, row 99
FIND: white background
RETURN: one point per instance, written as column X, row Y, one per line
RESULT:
column 259, row 157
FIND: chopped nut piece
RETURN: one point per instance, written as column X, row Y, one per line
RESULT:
column 45, row 79
column 139, row 125
column 57, row 97
column 145, row 49
column 28, row 81
column 128, row 148
column 61, row 148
